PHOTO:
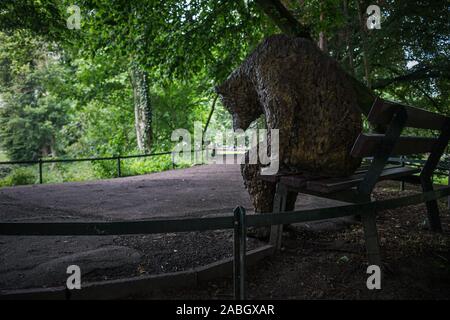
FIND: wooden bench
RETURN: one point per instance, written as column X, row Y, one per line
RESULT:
column 358, row 187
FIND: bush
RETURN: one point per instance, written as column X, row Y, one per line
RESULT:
column 82, row 171
column 105, row 169
column 19, row 176
column 440, row 180
column 133, row 167
column 68, row 172
column 4, row 171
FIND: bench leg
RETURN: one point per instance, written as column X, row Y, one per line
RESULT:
column 279, row 205
column 371, row 238
column 434, row 220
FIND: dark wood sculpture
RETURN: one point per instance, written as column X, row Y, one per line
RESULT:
column 308, row 97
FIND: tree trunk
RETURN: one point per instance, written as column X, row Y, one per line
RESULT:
column 362, row 25
column 348, row 38
column 322, row 38
column 142, row 108
column 213, row 107
column 287, row 23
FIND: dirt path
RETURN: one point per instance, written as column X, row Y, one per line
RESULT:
column 194, row 191
column 315, row 262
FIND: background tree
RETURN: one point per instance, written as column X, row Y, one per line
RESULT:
column 179, row 50
column 35, row 104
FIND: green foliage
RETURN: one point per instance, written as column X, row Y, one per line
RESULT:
column 3, row 156
column 68, row 93
column 440, row 180
column 41, row 17
column 68, row 172
column 177, row 104
column 176, row 39
column 33, row 110
column 106, row 126
column 134, row 167
column 19, row 176
column 83, row 171
column 4, row 171
column 105, row 169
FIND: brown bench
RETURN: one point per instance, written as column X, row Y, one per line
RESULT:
column 358, row 187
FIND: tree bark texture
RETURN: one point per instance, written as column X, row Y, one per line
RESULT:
column 142, row 108
column 308, row 97
column 288, row 24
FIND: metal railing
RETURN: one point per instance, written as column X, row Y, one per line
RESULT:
column 118, row 159
column 239, row 223
column 443, row 168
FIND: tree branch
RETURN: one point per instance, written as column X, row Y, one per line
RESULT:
column 426, row 72
column 419, row 74
column 284, row 19
column 213, row 107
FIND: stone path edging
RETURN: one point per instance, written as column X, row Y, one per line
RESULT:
column 120, row 288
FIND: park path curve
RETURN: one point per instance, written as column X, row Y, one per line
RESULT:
column 199, row 191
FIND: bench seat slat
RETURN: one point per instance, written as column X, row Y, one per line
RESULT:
column 338, row 184
column 299, row 179
column 367, row 144
column 276, row 177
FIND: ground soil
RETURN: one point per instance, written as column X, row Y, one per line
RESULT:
column 332, row 265
column 173, row 252
column 315, row 263
column 200, row 191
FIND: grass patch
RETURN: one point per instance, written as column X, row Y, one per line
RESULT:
column 138, row 166
column 85, row 171
column 440, row 179
column 68, row 172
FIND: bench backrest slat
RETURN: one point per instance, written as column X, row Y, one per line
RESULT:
column 382, row 112
column 367, row 145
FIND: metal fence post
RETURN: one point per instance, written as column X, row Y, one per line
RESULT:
column 402, row 183
column 40, row 171
column 119, row 169
column 448, row 183
column 173, row 160
column 240, row 234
